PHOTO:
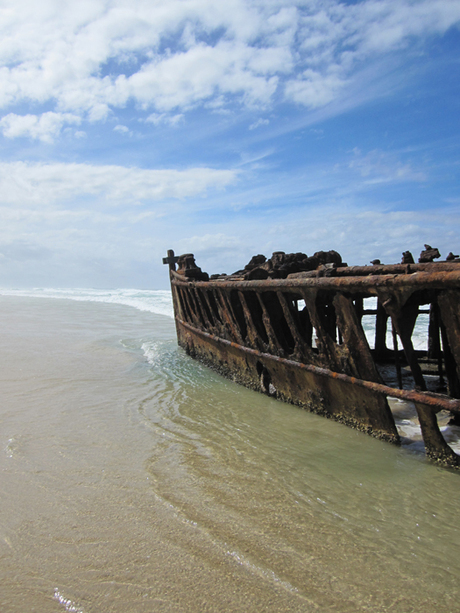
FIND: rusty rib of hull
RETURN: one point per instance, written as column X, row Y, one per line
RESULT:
column 300, row 339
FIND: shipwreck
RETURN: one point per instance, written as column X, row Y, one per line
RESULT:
column 292, row 327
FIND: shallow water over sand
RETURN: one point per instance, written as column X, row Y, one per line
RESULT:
column 134, row 479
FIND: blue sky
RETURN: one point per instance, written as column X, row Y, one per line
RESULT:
column 224, row 129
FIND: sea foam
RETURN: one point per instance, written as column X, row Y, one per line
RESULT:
column 154, row 301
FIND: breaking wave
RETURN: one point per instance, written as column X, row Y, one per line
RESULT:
column 154, row 301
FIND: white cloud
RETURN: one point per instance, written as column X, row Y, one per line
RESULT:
column 44, row 184
column 90, row 57
column 379, row 167
column 185, row 78
column 259, row 122
column 210, row 244
column 163, row 118
column 43, row 127
column 314, row 89
column 389, row 25
column 122, row 130
column 217, row 252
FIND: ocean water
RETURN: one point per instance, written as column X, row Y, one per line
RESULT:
column 133, row 479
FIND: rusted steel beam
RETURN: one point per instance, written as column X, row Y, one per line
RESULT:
column 253, row 337
column 381, row 319
column 326, row 347
column 272, row 339
column 450, row 313
column 358, row 358
column 435, row 446
column 427, row 399
column 188, row 306
column 171, row 260
column 207, row 307
column 195, row 309
column 398, row 269
column 355, row 339
column 404, row 322
column 292, row 319
column 229, row 316
column 380, row 269
column 365, row 285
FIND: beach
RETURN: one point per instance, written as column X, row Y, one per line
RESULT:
column 134, row 479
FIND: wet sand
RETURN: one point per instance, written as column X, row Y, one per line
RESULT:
column 134, row 479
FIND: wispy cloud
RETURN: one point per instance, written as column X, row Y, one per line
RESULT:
column 380, row 167
column 165, row 118
column 44, row 183
column 169, row 57
column 258, row 123
column 225, row 128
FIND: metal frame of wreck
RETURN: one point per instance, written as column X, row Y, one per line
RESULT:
column 254, row 333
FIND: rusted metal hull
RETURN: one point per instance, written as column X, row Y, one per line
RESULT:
column 300, row 339
column 293, row 382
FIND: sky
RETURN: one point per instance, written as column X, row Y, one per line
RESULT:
column 223, row 129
